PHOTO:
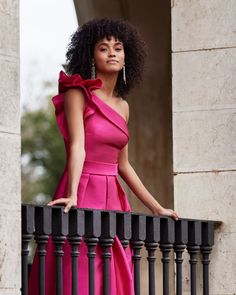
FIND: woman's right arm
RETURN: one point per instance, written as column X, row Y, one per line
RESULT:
column 74, row 105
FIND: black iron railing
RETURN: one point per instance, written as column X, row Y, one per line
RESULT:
column 100, row 227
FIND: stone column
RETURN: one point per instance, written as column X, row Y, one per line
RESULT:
column 10, row 224
column 204, row 126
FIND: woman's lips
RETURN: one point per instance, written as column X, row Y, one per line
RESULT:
column 112, row 61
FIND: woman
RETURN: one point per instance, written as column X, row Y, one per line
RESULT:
column 105, row 60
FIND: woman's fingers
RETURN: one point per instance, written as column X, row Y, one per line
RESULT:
column 67, row 208
column 58, row 201
column 66, row 201
column 171, row 213
column 175, row 215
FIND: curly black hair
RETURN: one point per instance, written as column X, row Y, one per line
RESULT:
column 81, row 48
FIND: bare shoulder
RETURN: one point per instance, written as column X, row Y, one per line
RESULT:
column 124, row 102
column 75, row 98
column 125, row 108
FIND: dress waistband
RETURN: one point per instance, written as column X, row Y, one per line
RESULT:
column 103, row 168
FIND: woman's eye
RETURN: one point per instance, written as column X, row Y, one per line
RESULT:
column 102, row 49
column 118, row 49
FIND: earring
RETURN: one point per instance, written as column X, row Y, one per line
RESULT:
column 124, row 75
column 93, row 71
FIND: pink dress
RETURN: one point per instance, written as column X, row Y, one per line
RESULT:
column 106, row 133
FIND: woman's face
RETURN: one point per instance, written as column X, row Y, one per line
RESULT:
column 109, row 55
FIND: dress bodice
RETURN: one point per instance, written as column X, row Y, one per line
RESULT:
column 105, row 130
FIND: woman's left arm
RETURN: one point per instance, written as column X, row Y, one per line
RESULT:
column 129, row 175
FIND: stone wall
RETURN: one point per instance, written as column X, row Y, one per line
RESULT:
column 10, row 225
column 204, row 126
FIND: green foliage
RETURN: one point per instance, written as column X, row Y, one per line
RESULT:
column 43, row 154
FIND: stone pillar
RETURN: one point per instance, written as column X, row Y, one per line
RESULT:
column 10, row 224
column 204, row 126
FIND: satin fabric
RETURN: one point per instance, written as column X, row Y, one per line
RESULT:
column 106, row 133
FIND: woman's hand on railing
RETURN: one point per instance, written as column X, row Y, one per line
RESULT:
column 166, row 212
column 69, row 202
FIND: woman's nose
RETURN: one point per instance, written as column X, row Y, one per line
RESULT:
column 111, row 52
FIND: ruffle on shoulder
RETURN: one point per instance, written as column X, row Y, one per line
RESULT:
column 66, row 82
column 75, row 81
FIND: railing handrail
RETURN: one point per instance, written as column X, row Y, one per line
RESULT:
column 216, row 222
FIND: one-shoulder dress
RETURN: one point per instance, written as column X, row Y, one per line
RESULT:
column 106, row 133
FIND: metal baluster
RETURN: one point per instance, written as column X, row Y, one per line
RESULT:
column 59, row 241
column 92, row 232
column 59, row 232
column 166, row 241
column 91, row 243
column 76, row 231
column 123, row 228
column 181, row 238
column 41, row 241
column 151, row 244
column 179, row 249
column 206, row 247
column 27, row 223
column 165, row 248
column 137, row 242
column 42, row 232
column 106, row 241
column 194, row 240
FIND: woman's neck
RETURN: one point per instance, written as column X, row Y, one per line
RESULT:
column 108, row 85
